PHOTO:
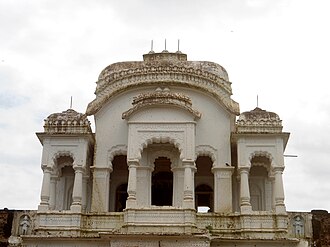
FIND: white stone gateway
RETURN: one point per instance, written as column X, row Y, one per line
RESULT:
column 166, row 144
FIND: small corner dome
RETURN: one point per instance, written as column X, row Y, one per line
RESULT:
column 68, row 115
column 69, row 121
column 258, row 114
column 259, row 121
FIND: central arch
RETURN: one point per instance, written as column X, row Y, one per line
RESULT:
column 162, row 183
column 160, row 176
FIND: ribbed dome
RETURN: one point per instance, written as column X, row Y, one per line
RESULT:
column 259, row 121
column 68, row 121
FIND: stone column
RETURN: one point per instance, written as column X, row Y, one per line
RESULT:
column 143, row 196
column 77, row 189
column 223, row 195
column 188, row 191
column 279, row 191
column 85, row 192
column 131, row 187
column 178, row 179
column 52, row 199
column 100, row 194
column 45, row 189
column 245, row 191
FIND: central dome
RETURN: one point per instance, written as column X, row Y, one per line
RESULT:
column 164, row 69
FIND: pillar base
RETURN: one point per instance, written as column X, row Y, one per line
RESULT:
column 246, row 209
column 188, row 204
column 280, row 209
column 76, row 208
column 131, row 203
column 43, row 208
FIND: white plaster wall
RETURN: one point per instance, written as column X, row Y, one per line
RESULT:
column 212, row 129
column 272, row 145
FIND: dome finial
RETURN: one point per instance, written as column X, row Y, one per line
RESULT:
column 165, row 48
column 257, row 101
column 71, row 102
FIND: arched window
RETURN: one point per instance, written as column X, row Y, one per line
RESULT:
column 204, row 197
column 67, row 185
column 62, row 196
column 118, row 184
column 205, row 180
column 121, row 196
column 259, row 186
column 162, row 183
column 256, row 197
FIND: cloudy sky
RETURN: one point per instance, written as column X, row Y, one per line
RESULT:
column 280, row 50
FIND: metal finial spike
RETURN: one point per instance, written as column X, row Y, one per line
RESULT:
column 71, row 102
column 165, row 44
column 178, row 45
column 152, row 45
column 257, row 100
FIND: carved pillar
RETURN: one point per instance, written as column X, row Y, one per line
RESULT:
column 100, row 194
column 188, row 191
column 272, row 179
column 85, row 193
column 178, row 185
column 279, row 191
column 143, row 196
column 223, row 189
column 131, row 187
column 45, row 189
column 52, row 199
column 77, row 192
column 245, row 191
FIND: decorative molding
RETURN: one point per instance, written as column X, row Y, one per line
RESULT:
column 161, row 97
column 207, row 150
column 261, row 154
column 62, row 153
column 114, row 151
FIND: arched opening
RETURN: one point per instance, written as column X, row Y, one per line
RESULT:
column 256, row 197
column 204, row 178
column 260, row 184
column 118, row 184
column 61, row 193
column 162, row 183
column 121, row 197
column 204, row 197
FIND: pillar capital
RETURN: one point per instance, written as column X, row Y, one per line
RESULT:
column 225, row 171
column 47, row 168
column 244, row 169
column 79, row 168
column 100, row 169
column 278, row 169
column 188, row 162
column 133, row 162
